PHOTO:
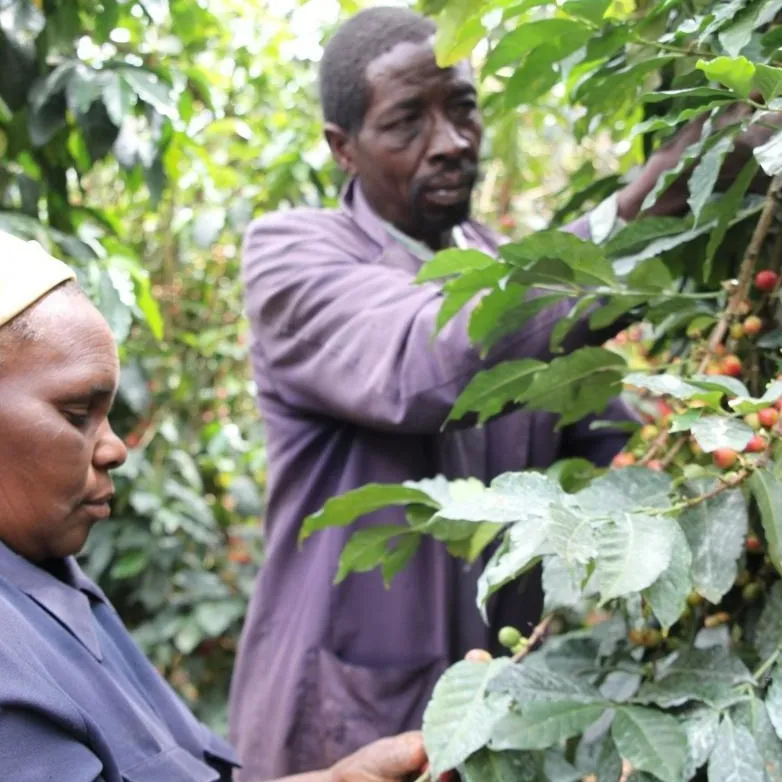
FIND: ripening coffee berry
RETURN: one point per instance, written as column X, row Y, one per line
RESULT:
column 757, row 444
column 649, row 432
column 725, row 458
column 753, row 420
column 766, row 281
column 752, row 326
column 694, row 599
column 737, row 331
column 715, row 620
column 652, row 637
column 752, row 591
column 636, row 636
column 731, row 365
column 655, row 464
column 753, row 544
column 509, row 637
column 768, row 416
column 623, row 459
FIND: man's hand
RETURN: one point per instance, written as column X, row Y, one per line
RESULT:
column 387, row 760
column 674, row 200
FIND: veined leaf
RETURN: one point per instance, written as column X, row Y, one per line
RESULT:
column 651, row 741
column 367, row 549
column 487, row 765
column 720, row 431
column 460, row 718
column 633, row 551
column 450, row 262
column 774, row 702
column 736, row 73
column 746, row 404
column 543, row 724
column 668, row 595
column 345, row 509
column 768, row 633
column 705, row 675
column 715, row 530
column 575, row 385
column 769, row 155
column 767, row 489
column 490, row 391
column 702, row 727
column 586, row 261
column 705, row 174
column 735, row 757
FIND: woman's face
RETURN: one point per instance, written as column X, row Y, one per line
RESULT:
column 56, row 444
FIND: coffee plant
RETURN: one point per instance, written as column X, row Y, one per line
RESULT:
column 659, row 652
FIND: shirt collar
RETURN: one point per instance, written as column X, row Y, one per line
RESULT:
column 354, row 202
column 68, row 601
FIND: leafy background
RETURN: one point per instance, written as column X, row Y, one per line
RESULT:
column 137, row 139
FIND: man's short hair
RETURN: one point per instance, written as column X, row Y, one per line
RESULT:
column 358, row 42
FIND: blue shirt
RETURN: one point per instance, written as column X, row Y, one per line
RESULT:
column 79, row 702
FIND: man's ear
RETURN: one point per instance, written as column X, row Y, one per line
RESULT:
column 342, row 147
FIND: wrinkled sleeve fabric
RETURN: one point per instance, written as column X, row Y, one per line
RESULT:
column 41, row 731
column 354, row 339
column 33, row 748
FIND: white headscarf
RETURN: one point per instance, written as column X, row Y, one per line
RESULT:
column 27, row 273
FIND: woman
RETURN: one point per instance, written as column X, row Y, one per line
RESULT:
column 78, row 700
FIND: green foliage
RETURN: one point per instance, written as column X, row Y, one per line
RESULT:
column 137, row 140
column 662, row 579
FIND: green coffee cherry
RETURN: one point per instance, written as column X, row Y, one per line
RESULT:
column 509, row 637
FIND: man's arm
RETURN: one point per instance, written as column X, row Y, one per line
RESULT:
column 355, row 340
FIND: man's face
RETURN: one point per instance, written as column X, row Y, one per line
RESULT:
column 416, row 154
column 56, row 444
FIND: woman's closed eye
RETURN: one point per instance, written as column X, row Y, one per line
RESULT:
column 77, row 418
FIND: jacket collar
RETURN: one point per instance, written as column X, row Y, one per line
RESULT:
column 67, row 600
column 401, row 250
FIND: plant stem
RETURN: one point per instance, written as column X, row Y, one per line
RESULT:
column 768, row 663
column 537, row 634
column 742, row 288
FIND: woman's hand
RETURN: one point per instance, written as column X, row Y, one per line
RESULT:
column 387, row 760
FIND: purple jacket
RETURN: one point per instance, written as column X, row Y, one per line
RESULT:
column 354, row 389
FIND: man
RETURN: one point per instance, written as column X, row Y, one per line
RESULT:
column 354, row 389
column 79, row 702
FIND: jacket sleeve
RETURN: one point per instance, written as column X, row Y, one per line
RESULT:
column 355, row 340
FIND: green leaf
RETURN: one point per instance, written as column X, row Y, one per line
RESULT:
column 578, row 384
column 345, row 509
column 634, row 549
column 366, row 549
column 735, row 757
column 727, row 208
column 774, row 702
column 736, row 73
column 753, row 716
column 684, row 422
column 715, row 530
column 705, row 675
column 561, row 588
column 768, row 633
column 768, row 81
column 524, row 544
column 572, row 536
column 581, row 262
column 735, row 37
column 542, row 724
column 767, row 490
column 526, row 37
column 668, row 595
column 591, row 10
column 720, row 431
column 746, row 404
column 130, row 564
column 397, row 558
column 651, row 741
column 769, row 155
column 453, row 261
column 459, row 291
column 460, row 718
column 704, row 177
column 701, row 726
column 489, row 766
column 728, row 385
column 150, row 89
column 118, row 97
column 471, row 548
column 537, row 74
column 662, row 385
column 491, row 390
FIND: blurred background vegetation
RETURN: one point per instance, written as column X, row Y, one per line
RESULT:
column 137, row 140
